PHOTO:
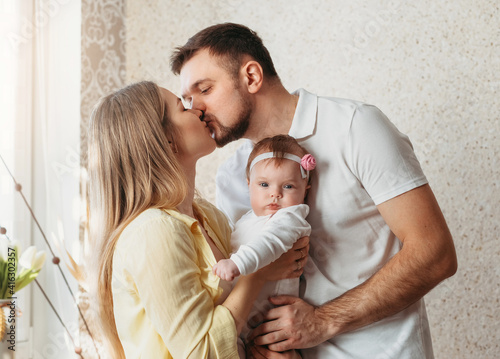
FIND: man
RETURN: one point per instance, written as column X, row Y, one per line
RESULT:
column 379, row 240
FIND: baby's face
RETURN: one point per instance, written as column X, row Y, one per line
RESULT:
column 272, row 187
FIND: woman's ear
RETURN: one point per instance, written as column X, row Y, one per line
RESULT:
column 173, row 146
column 253, row 76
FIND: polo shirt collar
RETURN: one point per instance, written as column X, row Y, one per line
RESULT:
column 304, row 119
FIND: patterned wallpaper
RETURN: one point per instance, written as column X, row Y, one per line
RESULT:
column 103, row 55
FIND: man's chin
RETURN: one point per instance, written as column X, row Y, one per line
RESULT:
column 224, row 135
column 224, row 140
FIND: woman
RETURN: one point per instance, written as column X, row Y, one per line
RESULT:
column 154, row 243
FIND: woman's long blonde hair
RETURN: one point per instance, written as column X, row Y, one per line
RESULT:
column 131, row 168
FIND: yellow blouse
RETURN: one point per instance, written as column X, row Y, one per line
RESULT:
column 164, row 292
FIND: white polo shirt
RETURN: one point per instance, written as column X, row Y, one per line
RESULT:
column 362, row 160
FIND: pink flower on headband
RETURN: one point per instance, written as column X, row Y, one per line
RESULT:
column 308, row 162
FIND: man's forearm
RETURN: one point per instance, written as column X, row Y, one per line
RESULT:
column 294, row 324
column 400, row 283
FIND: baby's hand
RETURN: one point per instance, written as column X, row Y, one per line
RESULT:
column 226, row 270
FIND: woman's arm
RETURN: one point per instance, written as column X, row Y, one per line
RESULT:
column 240, row 300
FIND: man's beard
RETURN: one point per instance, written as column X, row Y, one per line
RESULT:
column 229, row 134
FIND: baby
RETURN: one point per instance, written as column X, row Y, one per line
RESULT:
column 278, row 179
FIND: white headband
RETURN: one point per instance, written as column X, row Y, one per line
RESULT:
column 288, row 156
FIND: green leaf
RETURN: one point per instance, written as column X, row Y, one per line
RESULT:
column 26, row 279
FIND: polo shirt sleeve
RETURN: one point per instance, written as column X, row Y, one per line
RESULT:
column 161, row 259
column 381, row 157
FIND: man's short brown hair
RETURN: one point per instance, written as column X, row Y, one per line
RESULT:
column 229, row 42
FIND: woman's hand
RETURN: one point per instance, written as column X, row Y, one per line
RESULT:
column 260, row 352
column 290, row 265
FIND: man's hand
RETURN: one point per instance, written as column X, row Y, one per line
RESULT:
column 290, row 265
column 226, row 270
column 294, row 324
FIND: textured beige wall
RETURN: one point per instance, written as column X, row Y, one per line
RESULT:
column 432, row 67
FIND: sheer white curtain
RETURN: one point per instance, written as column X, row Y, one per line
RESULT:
column 16, row 145
column 40, row 141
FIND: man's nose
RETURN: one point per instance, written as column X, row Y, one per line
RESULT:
column 197, row 104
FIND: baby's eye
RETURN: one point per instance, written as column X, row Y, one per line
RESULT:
column 263, row 184
column 205, row 90
column 288, row 186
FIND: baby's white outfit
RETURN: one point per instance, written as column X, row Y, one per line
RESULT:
column 259, row 240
